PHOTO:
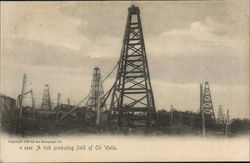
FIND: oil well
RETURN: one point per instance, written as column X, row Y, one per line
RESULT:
column 132, row 100
column 132, row 97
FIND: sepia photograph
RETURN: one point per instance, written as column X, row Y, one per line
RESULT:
column 124, row 81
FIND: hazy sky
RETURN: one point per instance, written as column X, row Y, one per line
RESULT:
column 60, row 43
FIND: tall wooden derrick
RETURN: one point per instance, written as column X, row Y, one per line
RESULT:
column 95, row 98
column 208, row 106
column 132, row 102
column 221, row 116
column 46, row 101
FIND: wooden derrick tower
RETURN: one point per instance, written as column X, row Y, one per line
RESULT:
column 96, row 91
column 132, row 97
column 221, row 116
column 46, row 102
column 208, row 106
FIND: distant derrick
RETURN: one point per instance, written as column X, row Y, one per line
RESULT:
column 22, row 95
column 96, row 91
column 221, row 116
column 208, row 105
column 58, row 103
column 132, row 97
column 46, row 102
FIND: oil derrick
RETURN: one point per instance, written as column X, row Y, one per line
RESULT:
column 46, row 102
column 22, row 95
column 58, row 102
column 203, row 125
column 208, row 106
column 132, row 97
column 227, row 124
column 96, row 92
column 19, row 128
column 221, row 116
column 68, row 100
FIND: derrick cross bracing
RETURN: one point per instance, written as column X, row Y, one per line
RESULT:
column 46, row 101
column 132, row 97
column 96, row 91
column 208, row 105
column 221, row 116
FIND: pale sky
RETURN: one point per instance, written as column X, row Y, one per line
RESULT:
column 187, row 42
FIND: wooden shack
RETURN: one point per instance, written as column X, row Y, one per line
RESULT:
column 7, row 109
